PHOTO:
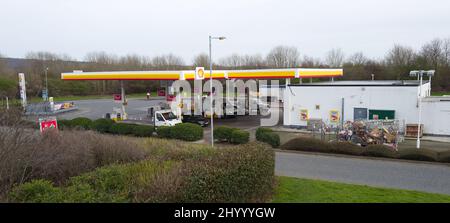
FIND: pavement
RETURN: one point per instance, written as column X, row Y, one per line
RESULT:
column 433, row 178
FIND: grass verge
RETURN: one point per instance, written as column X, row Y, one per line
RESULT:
column 296, row 190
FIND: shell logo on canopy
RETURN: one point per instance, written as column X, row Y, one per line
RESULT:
column 199, row 73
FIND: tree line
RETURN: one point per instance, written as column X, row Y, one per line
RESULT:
column 396, row 64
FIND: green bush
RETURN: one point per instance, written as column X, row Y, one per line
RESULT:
column 260, row 133
column 163, row 131
column 418, row 154
column 268, row 136
column 64, row 124
column 223, row 133
column 187, row 132
column 346, row 148
column 122, row 128
column 243, row 173
column 81, row 122
column 444, row 157
column 308, row 144
column 239, row 136
column 102, row 125
column 379, row 151
column 183, row 131
column 143, row 131
column 37, row 191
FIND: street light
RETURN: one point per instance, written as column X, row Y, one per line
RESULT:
column 210, row 85
column 419, row 74
column 46, row 82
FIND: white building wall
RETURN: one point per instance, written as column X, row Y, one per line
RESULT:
column 436, row 115
column 402, row 99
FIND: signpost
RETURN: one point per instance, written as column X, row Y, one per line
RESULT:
column 47, row 123
column 45, row 95
column 117, row 98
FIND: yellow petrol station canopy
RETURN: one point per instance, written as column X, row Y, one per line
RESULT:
column 216, row 74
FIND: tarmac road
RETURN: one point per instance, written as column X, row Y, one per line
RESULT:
column 97, row 108
column 382, row 173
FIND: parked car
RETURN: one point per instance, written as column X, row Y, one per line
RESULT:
column 196, row 119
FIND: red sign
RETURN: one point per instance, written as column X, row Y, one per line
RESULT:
column 48, row 124
column 161, row 92
column 170, row 97
column 117, row 97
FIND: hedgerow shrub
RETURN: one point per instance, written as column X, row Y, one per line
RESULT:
column 56, row 156
column 239, row 136
column 183, row 131
column 308, row 144
column 64, row 124
column 243, row 173
column 81, row 122
column 143, row 130
column 315, row 145
column 418, row 154
column 346, row 148
column 37, row 191
column 239, row 174
column 122, row 128
column 102, row 125
column 223, row 133
column 268, row 136
column 163, row 131
column 444, row 156
column 186, row 131
column 379, row 151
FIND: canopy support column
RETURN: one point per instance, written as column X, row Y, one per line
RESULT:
column 124, row 101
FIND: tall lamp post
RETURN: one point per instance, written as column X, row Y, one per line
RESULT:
column 210, row 89
column 419, row 74
column 46, row 82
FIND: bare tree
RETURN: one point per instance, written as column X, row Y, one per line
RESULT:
column 167, row 61
column 446, row 52
column 201, row 60
column 432, row 53
column 400, row 56
column 283, row 57
column 358, row 59
column 233, row 61
column 311, row 62
column 101, row 58
column 335, row 58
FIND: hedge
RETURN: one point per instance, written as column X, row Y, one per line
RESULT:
column 223, row 133
column 64, row 124
column 102, row 125
column 316, row 145
column 239, row 136
column 122, row 129
column 143, row 130
column 243, row 173
column 163, row 131
column 183, row 131
column 186, row 131
column 81, row 122
column 268, row 136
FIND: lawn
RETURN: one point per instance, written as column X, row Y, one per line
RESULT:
column 295, row 190
column 440, row 93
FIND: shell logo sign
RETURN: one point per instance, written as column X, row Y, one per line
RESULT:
column 199, row 73
column 334, row 116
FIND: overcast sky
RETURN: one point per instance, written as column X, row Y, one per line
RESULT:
column 181, row 27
